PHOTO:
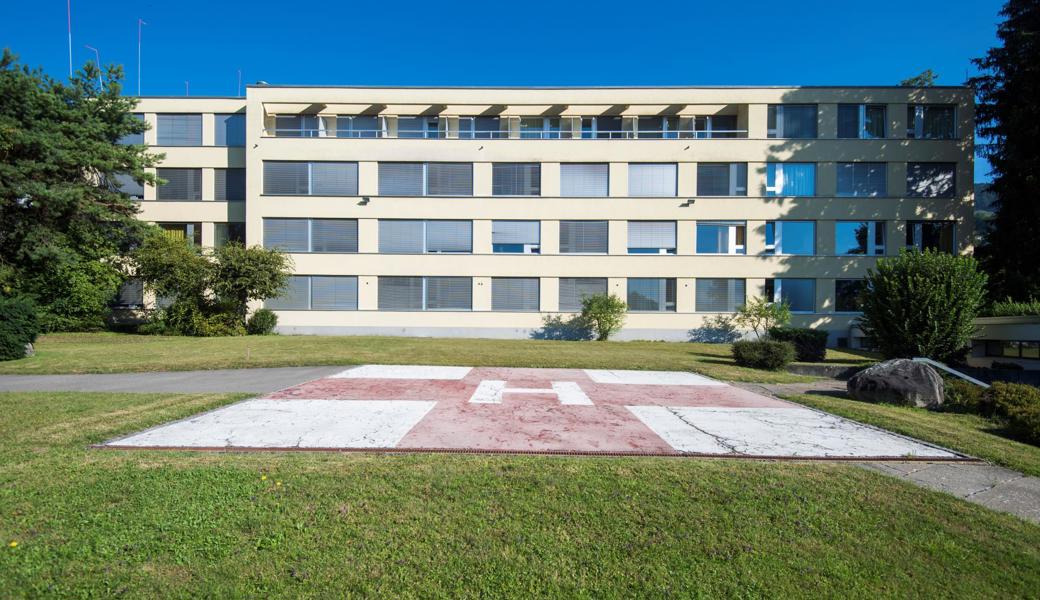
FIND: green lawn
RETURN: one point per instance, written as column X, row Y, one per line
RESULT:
column 98, row 523
column 112, row 353
column 971, row 434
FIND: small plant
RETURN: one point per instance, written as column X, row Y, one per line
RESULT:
column 18, row 326
column 604, row 314
column 763, row 354
column 760, row 315
column 810, row 345
column 261, row 322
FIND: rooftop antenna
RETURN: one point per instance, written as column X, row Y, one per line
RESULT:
column 68, row 13
column 186, row 87
column 140, row 22
column 240, row 83
column 97, row 61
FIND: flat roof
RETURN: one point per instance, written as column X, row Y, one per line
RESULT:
column 604, row 87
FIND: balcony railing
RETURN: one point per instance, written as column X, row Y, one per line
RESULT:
column 501, row 135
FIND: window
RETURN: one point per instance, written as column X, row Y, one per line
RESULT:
column 398, row 236
column 131, row 294
column 573, row 289
column 862, row 179
column 181, row 184
column 799, row 294
column 654, row 180
column 228, row 232
column 189, row 232
column 230, row 130
column 310, row 178
column 317, row 292
column 651, row 237
column 297, row 126
column 179, row 130
column 419, row 127
column 128, row 185
column 311, row 235
column 516, row 179
column 538, row 128
column 719, row 295
column 931, row 121
column 792, row 121
column 481, row 128
column 716, row 126
column 862, row 121
column 425, row 293
column 791, row 237
column 930, row 180
column 791, row 179
column 657, row 127
column 1013, row 349
column 360, row 126
column 583, row 237
column 425, row 179
column 935, row 235
column 517, row 237
column 846, row 294
column 859, row 238
column 722, row 179
column 602, row 128
column 721, row 237
column 133, row 138
column 654, row 295
column 230, row 184
column 515, row 294
column 584, row 180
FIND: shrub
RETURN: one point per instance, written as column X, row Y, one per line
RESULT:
column 604, row 314
column 558, row 327
column 760, row 316
column 1020, row 405
column 763, row 354
column 810, row 345
column 1010, row 308
column 18, row 326
column 261, row 322
column 962, row 396
column 922, row 304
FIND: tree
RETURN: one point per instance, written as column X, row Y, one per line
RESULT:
column 1008, row 100
column 604, row 314
column 760, row 315
column 925, row 78
column 242, row 275
column 63, row 222
column 922, row 304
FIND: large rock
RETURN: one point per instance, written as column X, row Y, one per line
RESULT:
column 900, row 381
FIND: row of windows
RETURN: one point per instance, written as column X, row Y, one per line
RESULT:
column 1012, row 349
column 592, row 180
column 186, row 184
column 522, row 294
column 412, row 236
column 186, row 130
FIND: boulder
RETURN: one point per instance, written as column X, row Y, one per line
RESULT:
column 900, row 381
column 29, row 350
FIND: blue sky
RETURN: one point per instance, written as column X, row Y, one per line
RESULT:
column 813, row 42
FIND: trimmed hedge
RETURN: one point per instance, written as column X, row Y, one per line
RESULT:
column 1020, row 405
column 810, row 345
column 261, row 322
column 764, row 354
column 19, row 326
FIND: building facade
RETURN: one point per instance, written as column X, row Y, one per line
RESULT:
column 478, row 211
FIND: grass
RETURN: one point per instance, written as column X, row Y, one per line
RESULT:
column 93, row 523
column 967, row 433
column 114, row 353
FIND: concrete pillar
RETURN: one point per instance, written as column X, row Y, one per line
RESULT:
column 755, row 239
column 618, row 180
column 481, row 293
column 686, row 238
column 151, row 136
column 549, row 290
column 756, row 179
column 482, row 237
column 618, row 286
column 209, row 130
column 827, row 121
column 687, row 184
column 368, row 178
column 368, row 292
column 825, row 295
column 685, row 294
column 826, row 179
column 550, row 237
column 757, row 121
column 897, row 121
column 482, row 179
column 895, row 236
column 617, row 237
column 209, row 184
column 368, row 236
column 550, row 179
column 896, row 179
column 208, row 234
column 825, row 240
column 149, row 190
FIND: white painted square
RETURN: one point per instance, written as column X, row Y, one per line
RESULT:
column 404, row 372
column 775, row 432
column 291, row 424
column 488, row 392
column 570, row 393
column 622, row 377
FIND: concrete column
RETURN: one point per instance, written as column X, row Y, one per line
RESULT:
column 151, row 137
column 550, row 237
column 825, row 240
column 482, row 176
column 754, row 287
column 618, row 286
column 687, row 184
column 550, row 179
column 208, row 234
column 757, row 121
column 549, row 292
column 149, row 190
column 756, row 179
column 685, row 238
column 685, row 294
column 896, row 179
column 618, row 177
column 895, row 236
column 368, row 178
column 481, row 293
column 482, row 237
column 617, row 237
column 209, row 184
column 826, row 179
column 368, row 292
column 897, row 121
column 391, row 126
column 209, row 130
column 825, row 295
column 755, row 242
column 368, row 236
column 827, row 121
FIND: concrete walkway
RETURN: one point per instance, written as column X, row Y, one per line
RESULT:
column 258, row 381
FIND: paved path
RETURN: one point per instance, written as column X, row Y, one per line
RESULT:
column 257, row 381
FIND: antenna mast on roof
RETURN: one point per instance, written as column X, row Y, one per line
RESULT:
column 140, row 22
column 68, row 14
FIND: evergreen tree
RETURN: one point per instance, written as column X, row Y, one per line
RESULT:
column 925, row 78
column 1008, row 93
column 63, row 222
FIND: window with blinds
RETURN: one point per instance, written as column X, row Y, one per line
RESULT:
column 400, row 236
column 401, row 179
column 719, row 295
column 449, row 179
column 584, row 180
column 721, row 237
column 651, row 237
column 334, row 292
column 179, row 130
column 573, row 289
column 310, row 178
column 295, row 296
column 791, row 121
column 521, row 237
column 651, row 295
column 230, row 130
column 798, row 294
column 862, row 179
column 449, row 236
column 181, row 184
column 515, row 294
column 516, row 179
column 583, row 237
column 722, row 179
column 652, row 180
column 400, row 293
column 131, row 294
column 791, row 179
column 230, row 184
column 425, row 179
column 930, row 180
column 128, row 185
column 311, row 235
column 133, row 138
column 449, row 293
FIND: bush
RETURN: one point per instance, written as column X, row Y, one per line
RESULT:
column 1010, row 308
column 261, row 322
column 18, row 326
column 1020, row 405
column 763, row 354
column 760, row 315
column 922, row 304
column 604, row 314
column 962, row 396
column 558, row 327
column 810, row 345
